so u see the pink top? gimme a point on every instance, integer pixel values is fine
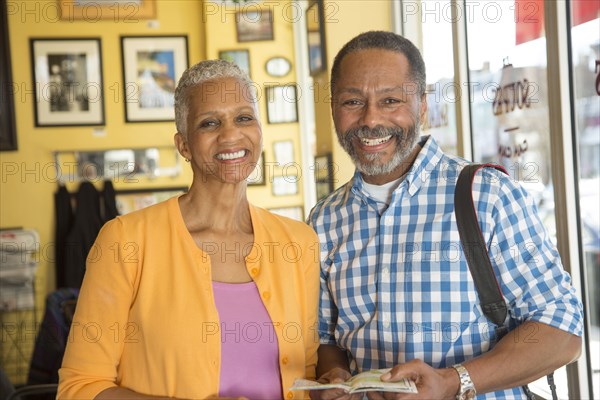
(249, 349)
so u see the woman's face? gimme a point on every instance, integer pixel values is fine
(224, 138)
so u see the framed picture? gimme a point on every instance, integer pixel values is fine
(284, 152)
(257, 177)
(254, 25)
(282, 104)
(136, 199)
(152, 66)
(67, 76)
(323, 175)
(278, 66)
(239, 57)
(8, 131)
(285, 185)
(116, 10)
(296, 213)
(315, 29)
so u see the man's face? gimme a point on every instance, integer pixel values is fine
(377, 111)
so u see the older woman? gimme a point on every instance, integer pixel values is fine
(204, 295)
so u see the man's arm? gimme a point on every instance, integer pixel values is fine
(332, 367)
(525, 354)
(330, 358)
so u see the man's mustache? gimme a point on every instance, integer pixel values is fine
(372, 133)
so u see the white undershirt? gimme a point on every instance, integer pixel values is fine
(382, 193)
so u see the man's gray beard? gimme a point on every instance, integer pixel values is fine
(406, 142)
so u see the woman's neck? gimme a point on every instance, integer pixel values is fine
(223, 208)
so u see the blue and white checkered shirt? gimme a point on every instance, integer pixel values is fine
(395, 284)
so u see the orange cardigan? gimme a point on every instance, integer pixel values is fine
(146, 318)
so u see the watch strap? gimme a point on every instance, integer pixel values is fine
(467, 388)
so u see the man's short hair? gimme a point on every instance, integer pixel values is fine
(385, 41)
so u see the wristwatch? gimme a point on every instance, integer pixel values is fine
(467, 389)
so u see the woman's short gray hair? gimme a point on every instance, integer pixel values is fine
(206, 71)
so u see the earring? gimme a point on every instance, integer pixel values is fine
(187, 159)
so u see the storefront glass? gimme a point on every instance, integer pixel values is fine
(436, 29)
(585, 53)
(509, 105)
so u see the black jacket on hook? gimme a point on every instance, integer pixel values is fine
(79, 241)
(63, 212)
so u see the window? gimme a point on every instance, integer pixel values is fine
(585, 64)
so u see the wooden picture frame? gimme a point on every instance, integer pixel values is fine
(315, 31)
(8, 130)
(117, 10)
(282, 104)
(240, 57)
(254, 25)
(67, 80)
(152, 66)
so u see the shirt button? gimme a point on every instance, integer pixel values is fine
(266, 295)
(386, 323)
(284, 360)
(389, 220)
(290, 395)
(254, 271)
(385, 272)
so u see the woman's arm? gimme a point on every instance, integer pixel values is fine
(126, 394)
(123, 394)
(94, 348)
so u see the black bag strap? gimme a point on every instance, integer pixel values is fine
(488, 290)
(490, 296)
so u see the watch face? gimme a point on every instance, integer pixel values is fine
(278, 66)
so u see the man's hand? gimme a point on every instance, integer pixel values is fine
(432, 384)
(336, 375)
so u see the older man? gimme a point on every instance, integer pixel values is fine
(396, 291)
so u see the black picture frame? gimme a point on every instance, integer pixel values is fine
(315, 33)
(8, 129)
(67, 81)
(282, 104)
(149, 93)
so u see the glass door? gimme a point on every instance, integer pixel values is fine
(507, 62)
(585, 67)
